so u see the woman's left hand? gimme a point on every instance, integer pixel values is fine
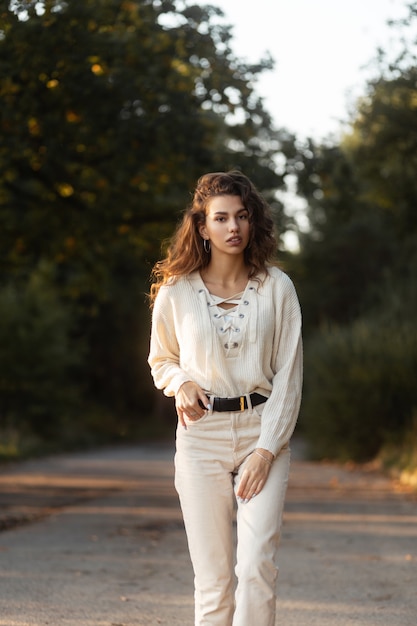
(255, 474)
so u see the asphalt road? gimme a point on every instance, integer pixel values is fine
(97, 539)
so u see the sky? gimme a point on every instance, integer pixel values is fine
(320, 48)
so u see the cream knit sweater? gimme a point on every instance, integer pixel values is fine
(185, 345)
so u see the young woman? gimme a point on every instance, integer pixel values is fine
(226, 342)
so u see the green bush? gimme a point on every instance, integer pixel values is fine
(37, 361)
(360, 389)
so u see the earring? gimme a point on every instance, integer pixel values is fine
(206, 245)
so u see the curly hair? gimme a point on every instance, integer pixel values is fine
(186, 252)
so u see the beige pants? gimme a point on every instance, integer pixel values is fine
(209, 460)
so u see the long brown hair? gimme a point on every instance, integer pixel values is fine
(186, 251)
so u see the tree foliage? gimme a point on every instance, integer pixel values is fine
(361, 392)
(347, 247)
(108, 117)
(111, 110)
(358, 265)
(362, 194)
(36, 360)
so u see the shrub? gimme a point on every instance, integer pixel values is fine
(37, 395)
(360, 390)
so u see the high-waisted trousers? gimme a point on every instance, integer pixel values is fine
(232, 587)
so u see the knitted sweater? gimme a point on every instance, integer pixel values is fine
(266, 356)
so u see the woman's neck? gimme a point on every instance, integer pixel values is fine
(230, 275)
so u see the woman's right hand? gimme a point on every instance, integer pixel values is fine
(186, 402)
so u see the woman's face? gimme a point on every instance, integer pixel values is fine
(227, 225)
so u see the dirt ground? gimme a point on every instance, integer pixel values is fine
(97, 538)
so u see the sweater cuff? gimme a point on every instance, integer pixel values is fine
(272, 445)
(176, 382)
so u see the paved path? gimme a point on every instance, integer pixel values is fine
(97, 539)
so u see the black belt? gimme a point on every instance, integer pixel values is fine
(237, 404)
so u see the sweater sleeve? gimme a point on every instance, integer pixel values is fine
(164, 353)
(280, 412)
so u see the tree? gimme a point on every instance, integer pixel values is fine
(361, 194)
(108, 117)
(357, 269)
(111, 109)
(346, 249)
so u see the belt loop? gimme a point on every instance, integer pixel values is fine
(249, 401)
(211, 402)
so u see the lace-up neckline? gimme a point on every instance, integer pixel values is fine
(219, 301)
(227, 320)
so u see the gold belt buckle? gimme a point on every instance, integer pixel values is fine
(242, 403)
